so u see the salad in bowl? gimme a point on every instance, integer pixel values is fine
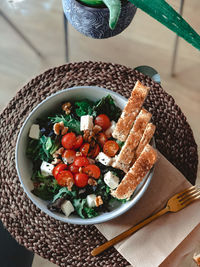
(68, 156)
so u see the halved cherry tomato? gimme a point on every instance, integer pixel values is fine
(94, 151)
(68, 156)
(84, 149)
(81, 179)
(79, 141)
(58, 168)
(102, 138)
(63, 176)
(81, 161)
(68, 140)
(73, 168)
(103, 121)
(110, 148)
(92, 170)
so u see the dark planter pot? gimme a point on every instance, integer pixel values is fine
(94, 22)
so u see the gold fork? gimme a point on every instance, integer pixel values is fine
(174, 204)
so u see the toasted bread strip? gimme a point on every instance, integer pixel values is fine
(147, 135)
(137, 172)
(127, 152)
(130, 111)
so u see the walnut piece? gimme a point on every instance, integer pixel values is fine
(98, 201)
(58, 152)
(56, 161)
(69, 183)
(96, 129)
(67, 107)
(92, 182)
(60, 128)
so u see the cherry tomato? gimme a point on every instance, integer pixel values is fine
(103, 121)
(73, 168)
(68, 140)
(102, 138)
(94, 151)
(84, 149)
(68, 156)
(63, 176)
(58, 168)
(110, 148)
(92, 170)
(81, 161)
(79, 141)
(81, 179)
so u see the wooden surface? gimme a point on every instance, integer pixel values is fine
(144, 42)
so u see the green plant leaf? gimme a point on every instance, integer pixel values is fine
(107, 106)
(85, 107)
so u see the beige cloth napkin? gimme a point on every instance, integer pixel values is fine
(152, 244)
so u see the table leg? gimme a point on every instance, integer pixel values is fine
(176, 44)
(66, 38)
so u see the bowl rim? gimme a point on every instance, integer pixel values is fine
(81, 221)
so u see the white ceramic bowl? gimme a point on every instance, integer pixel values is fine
(24, 165)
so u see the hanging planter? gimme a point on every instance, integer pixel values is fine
(97, 21)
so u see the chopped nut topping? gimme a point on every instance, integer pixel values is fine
(86, 135)
(59, 127)
(96, 129)
(58, 152)
(69, 183)
(98, 201)
(64, 130)
(56, 161)
(67, 107)
(92, 182)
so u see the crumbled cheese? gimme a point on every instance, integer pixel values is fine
(111, 180)
(46, 168)
(67, 208)
(86, 123)
(34, 132)
(104, 159)
(91, 200)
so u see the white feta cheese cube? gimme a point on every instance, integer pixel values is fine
(46, 168)
(91, 200)
(110, 130)
(34, 131)
(104, 159)
(111, 180)
(86, 123)
(67, 208)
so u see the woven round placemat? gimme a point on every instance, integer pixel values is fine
(61, 243)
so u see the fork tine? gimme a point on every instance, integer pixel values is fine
(190, 201)
(188, 194)
(197, 194)
(186, 191)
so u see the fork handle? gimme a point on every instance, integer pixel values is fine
(127, 233)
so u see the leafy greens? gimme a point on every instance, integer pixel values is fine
(107, 106)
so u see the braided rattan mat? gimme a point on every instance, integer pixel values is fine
(64, 244)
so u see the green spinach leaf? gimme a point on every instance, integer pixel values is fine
(107, 106)
(65, 192)
(82, 209)
(84, 108)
